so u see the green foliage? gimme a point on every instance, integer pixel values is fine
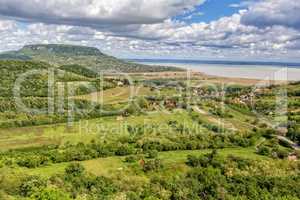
(205, 175)
(264, 150)
(95, 187)
(80, 70)
(142, 103)
(209, 183)
(282, 153)
(268, 133)
(131, 159)
(152, 154)
(51, 194)
(11, 70)
(152, 165)
(74, 169)
(31, 185)
(124, 150)
(222, 113)
(131, 110)
(210, 159)
(33, 161)
(294, 132)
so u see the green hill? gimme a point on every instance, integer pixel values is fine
(35, 84)
(88, 57)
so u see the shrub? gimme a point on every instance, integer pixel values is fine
(268, 133)
(132, 196)
(101, 187)
(285, 143)
(131, 159)
(242, 163)
(152, 154)
(204, 161)
(282, 153)
(31, 185)
(152, 165)
(51, 194)
(74, 170)
(32, 161)
(124, 150)
(265, 151)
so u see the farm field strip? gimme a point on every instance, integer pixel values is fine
(110, 165)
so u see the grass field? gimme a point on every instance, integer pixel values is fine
(111, 165)
(116, 95)
(114, 166)
(82, 131)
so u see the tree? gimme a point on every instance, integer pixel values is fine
(208, 183)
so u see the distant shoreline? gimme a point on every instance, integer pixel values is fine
(218, 62)
(234, 69)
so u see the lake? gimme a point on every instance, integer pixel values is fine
(251, 70)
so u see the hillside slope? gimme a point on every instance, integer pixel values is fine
(88, 57)
(35, 75)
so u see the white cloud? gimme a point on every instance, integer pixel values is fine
(7, 25)
(95, 13)
(274, 12)
(228, 37)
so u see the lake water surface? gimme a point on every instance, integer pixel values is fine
(253, 71)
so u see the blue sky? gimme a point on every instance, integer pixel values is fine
(211, 10)
(209, 29)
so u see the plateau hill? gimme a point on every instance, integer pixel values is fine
(91, 58)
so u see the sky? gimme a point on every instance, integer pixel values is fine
(263, 30)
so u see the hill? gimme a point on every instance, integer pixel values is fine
(88, 57)
(35, 84)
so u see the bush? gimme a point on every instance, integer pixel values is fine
(152, 154)
(132, 196)
(131, 159)
(142, 103)
(74, 170)
(268, 133)
(31, 185)
(204, 161)
(32, 161)
(195, 161)
(101, 187)
(152, 165)
(51, 194)
(124, 150)
(285, 143)
(242, 163)
(282, 153)
(265, 151)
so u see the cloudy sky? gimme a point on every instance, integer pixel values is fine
(188, 29)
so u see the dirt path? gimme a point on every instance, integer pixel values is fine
(293, 144)
(210, 118)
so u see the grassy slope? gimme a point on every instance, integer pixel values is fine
(84, 130)
(116, 95)
(36, 83)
